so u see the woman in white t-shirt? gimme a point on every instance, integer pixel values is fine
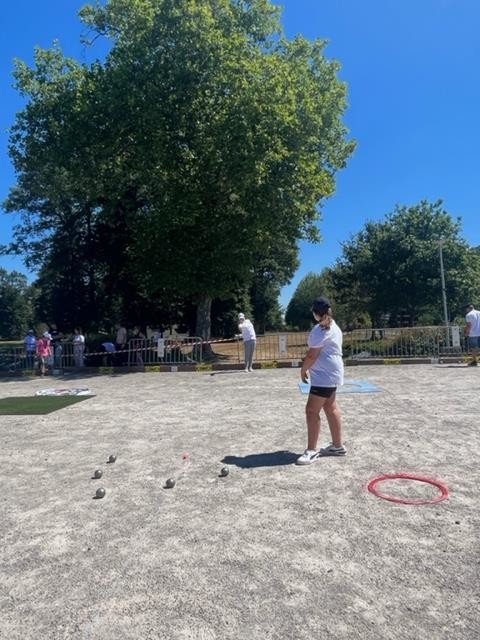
(323, 364)
(78, 347)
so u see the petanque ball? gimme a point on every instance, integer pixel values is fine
(170, 483)
(112, 458)
(224, 471)
(98, 473)
(100, 493)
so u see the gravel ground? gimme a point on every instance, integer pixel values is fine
(273, 550)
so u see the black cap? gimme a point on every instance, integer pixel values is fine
(469, 304)
(321, 305)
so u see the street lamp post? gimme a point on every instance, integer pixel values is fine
(444, 292)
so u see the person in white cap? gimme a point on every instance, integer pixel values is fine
(249, 339)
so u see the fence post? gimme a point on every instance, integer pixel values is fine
(455, 335)
(282, 345)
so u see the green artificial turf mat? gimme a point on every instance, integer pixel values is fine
(36, 405)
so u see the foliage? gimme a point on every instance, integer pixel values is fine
(299, 309)
(17, 298)
(388, 343)
(391, 268)
(205, 140)
(299, 314)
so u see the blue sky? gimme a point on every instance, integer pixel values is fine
(412, 68)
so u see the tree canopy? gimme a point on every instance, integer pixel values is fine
(17, 300)
(391, 269)
(185, 166)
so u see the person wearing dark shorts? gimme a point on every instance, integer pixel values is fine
(323, 365)
(472, 332)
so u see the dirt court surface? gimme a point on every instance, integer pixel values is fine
(272, 551)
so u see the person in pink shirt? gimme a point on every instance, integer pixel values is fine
(44, 351)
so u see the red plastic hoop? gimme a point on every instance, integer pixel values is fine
(372, 487)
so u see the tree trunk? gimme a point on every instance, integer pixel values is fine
(203, 326)
(91, 288)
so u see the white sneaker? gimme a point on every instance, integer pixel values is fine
(332, 451)
(307, 457)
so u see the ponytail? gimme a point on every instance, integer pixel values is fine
(321, 308)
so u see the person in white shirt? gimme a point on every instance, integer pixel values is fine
(472, 331)
(249, 340)
(323, 365)
(30, 345)
(121, 337)
(78, 347)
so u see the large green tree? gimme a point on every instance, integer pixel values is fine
(58, 153)
(17, 299)
(391, 268)
(204, 140)
(313, 285)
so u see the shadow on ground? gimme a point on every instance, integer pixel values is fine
(226, 371)
(272, 459)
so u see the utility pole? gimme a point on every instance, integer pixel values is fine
(444, 292)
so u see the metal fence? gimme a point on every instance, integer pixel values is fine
(385, 343)
(406, 342)
(15, 359)
(361, 344)
(137, 353)
(180, 350)
(415, 342)
(143, 352)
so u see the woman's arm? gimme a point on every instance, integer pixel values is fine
(312, 355)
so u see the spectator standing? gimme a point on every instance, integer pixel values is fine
(157, 334)
(44, 352)
(472, 332)
(56, 344)
(159, 342)
(120, 337)
(139, 344)
(137, 333)
(30, 347)
(249, 340)
(78, 347)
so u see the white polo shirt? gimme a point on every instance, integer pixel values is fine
(327, 370)
(473, 317)
(248, 332)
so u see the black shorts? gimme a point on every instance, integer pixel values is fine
(323, 392)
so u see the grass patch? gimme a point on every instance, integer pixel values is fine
(36, 405)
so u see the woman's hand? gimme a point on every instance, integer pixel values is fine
(304, 374)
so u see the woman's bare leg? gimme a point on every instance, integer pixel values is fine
(334, 419)
(312, 412)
